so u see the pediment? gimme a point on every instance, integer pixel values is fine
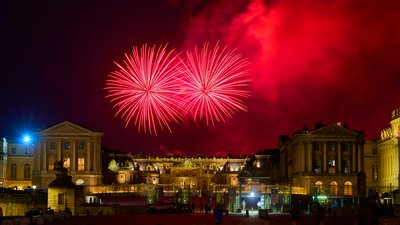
(66, 127)
(334, 130)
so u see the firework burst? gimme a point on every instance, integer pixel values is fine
(145, 88)
(216, 81)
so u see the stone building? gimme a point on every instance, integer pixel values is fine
(227, 180)
(201, 176)
(371, 166)
(16, 160)
(388, 150)
(327, 162)
(81, 149)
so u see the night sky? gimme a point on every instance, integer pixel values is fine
(311, 61)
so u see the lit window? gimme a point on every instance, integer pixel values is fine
(27, 171)
(13, 171)
(67, 163)
(348, 188)
(51, 162)
(318, 187)
(81, 164)
(333, 188)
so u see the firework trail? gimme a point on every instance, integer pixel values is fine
(216, 80)
(145, 88)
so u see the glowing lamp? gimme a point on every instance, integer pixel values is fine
(27, 139)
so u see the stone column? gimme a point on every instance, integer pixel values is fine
(40, 153)
(339, 157)
(309, 156)
(353, 159)
(59, 151)
(324, 158)
(305, 169)
(73, 158)
(303, 157)
(36, 157)
(88, 155)
(95, 156)
(360, 151)
(44, 163)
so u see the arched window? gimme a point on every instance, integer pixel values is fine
(318, 187)
(27, 171)
(348, 188)
(13, 174)
(333, 188)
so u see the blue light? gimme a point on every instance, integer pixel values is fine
(27, 139)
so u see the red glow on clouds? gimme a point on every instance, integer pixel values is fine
(313, 61)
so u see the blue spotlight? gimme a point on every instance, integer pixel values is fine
(27, 139)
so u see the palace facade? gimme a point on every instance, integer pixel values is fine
(326, 162)
(388, 151)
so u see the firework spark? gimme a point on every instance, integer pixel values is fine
(216, 82)
(144, 89)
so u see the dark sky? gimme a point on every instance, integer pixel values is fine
(312, 61)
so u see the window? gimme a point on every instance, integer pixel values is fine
(60, 199)
(13, 150)
(67, 145)
(333, 188)
(52, 145)
(81, 164)
(26, 150)
(51, 162)
(318, 187)
(81, 145)
(27, 171)
(13, 171)
(374, 172)
(331, 166)
(67, 163)
(374, 151)
(348, 188)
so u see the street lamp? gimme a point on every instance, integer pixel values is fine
(27, 139)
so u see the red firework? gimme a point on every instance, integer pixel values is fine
(216, 81)
(145, 87)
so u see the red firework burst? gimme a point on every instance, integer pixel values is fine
(216, 81)
(145, 87)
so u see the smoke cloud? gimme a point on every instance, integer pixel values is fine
(312, 61)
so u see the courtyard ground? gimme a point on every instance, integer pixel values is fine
(196, 219)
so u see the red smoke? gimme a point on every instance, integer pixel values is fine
(312, 61)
